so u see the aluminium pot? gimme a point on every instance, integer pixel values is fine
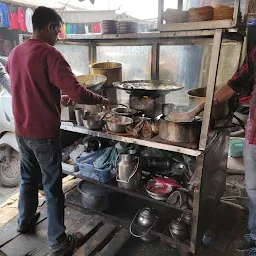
(94, 197)
(112, 70)
(177, 132)
(198, 95)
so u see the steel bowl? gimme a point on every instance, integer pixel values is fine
(119, 127)
(93, 122)
(123, 111)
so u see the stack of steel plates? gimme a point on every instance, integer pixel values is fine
(126, 27)
(109, 27)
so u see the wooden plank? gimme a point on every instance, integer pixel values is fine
(96, 240)
(136, 36)
(12, 233)
(36, 244)
(86, 227)
(210, 88)
(115, 244)
(212, 24)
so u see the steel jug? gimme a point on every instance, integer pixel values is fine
(146, 218)
(128, 171)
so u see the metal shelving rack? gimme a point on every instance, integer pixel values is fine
(210, 177)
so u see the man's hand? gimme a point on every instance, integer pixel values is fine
(66, 101)
(105, 103)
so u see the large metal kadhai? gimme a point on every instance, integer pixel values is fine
(149, 88)
(93, 82)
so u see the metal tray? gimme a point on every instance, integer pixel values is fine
(149, 88)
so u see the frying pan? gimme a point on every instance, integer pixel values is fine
(148, 88)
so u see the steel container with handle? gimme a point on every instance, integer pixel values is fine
(128, 171)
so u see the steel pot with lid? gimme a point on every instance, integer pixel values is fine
(146, 218)
(94, 197)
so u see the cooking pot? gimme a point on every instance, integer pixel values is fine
(198, 95)
(112, 70)
(179, 230)
(94, 197)
(146, 219)
(187, 132)
(124, 111)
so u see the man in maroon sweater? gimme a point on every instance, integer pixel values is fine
(38, 74)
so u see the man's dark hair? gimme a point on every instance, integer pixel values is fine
(43, 16)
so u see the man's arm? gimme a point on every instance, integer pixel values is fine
(61, 75)
(242, 80)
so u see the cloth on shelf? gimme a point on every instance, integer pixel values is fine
(180, 200)
(29, 14)
(22, 19)
(107, 161)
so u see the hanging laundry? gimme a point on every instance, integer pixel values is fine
(80, 29)
(29, 25)
(96, 28)
(86, 28)
(4, 15)
(74, 29)
(13, 15)
(62, 33)
(69, 29)
(22, 19)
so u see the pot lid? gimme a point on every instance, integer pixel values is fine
(91, 189)
(195, 120)
(178, 224)
(148, 213)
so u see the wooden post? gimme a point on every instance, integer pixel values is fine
(160, 13)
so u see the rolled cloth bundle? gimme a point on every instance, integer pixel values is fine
(223, 12)
(201, 14)
(175, 16)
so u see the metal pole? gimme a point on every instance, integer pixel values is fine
(180, 5)
(210, 87)
(155, 62)
(236, 13)
(196, 202)
(160, 13)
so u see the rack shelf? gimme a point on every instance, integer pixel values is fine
(136, 193)
(144, 35)
(142, 142)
